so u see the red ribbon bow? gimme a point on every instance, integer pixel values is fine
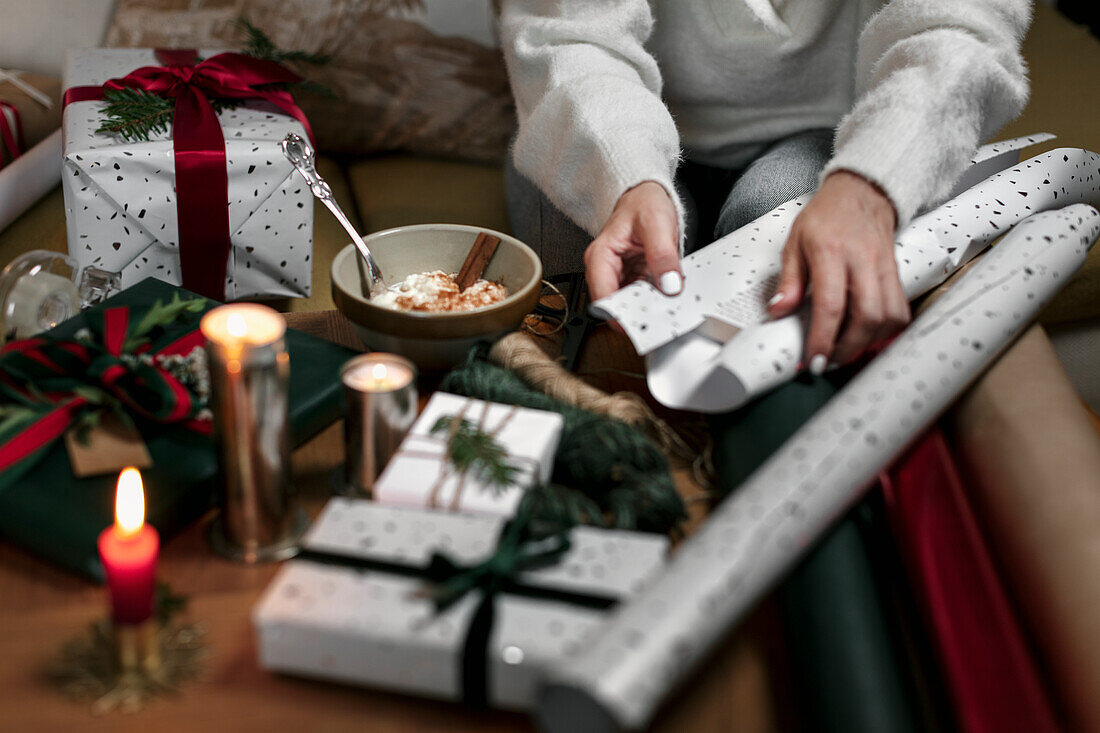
(202, 182)
(12, 139)
(56, 369)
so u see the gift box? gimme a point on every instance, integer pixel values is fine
(420, 475)
(30, 109)
(351, 609)
(123, 199)
(59, 517)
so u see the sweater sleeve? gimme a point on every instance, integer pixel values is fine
(588, 98)
(934, 78)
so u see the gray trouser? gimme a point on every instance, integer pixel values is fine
(718, 201)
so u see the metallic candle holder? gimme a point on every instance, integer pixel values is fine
(260, 519)
(380, 394)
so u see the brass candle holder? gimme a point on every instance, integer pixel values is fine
(124, 666)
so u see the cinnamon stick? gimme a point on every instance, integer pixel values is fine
(484, 247)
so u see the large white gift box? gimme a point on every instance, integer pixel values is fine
(359, 615)
(419, 475)
(120, 198)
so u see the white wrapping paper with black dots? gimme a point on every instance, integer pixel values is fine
(120, 202)
(419, 474)
(370, 628)
(648, 645)
(708, 369)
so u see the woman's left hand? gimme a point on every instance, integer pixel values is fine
(843, 245)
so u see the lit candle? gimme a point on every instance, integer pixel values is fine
(378, 373)
(380, 392)
(128, 550)
(260, 516)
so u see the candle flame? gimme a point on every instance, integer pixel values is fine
(129, 503)
(379, 372)
(236, 325)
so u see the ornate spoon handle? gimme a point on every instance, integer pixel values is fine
(302, 157)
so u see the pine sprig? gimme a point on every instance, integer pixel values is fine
(471, 449)
(259, 45)
(136, 115)
(160, 316)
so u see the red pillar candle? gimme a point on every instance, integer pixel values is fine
(128, 550)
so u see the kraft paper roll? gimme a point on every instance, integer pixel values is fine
(1034, 460)
(647, 646)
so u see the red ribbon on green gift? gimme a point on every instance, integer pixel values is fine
(48, 376)
(202, 182)
(11, 135)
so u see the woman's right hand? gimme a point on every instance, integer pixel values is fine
(641, 240)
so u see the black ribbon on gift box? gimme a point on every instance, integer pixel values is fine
(450, 581)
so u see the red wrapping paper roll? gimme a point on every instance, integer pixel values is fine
(990, 673)
(1033, 460)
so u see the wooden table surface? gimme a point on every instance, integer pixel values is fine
(739, 688)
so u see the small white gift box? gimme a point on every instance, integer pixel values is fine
(359, 615)
(120, 197)
(420, 475)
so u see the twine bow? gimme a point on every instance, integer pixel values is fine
(202, 183)
(50, 384)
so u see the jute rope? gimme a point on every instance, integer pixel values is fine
(519, 352)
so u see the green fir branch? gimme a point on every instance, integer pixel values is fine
(13, 418)
(259, 45)
(135, 115)
(471, 449)
(160, 316)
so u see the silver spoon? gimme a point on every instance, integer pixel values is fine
(301, 155)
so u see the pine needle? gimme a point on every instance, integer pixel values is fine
(472, 450)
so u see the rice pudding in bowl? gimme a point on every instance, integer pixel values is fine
(437, 291)
(435, 340)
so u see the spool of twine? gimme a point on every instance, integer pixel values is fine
(520, 353)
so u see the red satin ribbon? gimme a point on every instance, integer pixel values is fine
(13, 139)
(202, 182)
(53, 424)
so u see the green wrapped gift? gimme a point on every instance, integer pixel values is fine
(46, 509)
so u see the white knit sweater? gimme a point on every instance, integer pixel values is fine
(609, 91)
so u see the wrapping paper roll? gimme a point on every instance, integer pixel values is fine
(1033, 457)
(30, 177)
(699, 360)
(983, 651)
(852, 676)
(648, 645)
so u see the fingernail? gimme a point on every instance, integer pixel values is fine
(817, 364)
(775, 300)
(672, 283)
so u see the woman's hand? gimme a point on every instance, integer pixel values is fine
(640, 240)
(843, 245)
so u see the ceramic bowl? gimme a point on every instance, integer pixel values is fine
(435, 341)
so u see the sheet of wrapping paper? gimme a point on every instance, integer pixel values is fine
(120, 202)
(711, 351)
(746, 545)
(28, 178)
(372, 628)
(1033, 460)
(420, 470)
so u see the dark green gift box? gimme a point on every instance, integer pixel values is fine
(59, 517)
